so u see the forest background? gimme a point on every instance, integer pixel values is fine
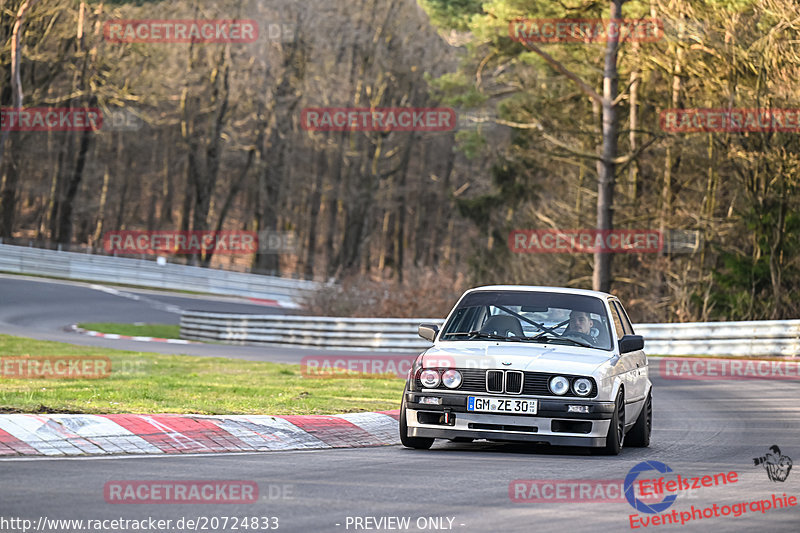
(404, 221)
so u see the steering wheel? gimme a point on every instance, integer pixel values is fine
(584, 336)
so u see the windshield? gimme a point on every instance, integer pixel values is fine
(525, 316)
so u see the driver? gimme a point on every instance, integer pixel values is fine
(580, 322)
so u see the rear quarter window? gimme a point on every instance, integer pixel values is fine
(623, 316)
(617, 322)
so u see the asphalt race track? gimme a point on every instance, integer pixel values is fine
(42, 309)
(700, 428)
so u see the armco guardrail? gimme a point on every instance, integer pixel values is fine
(391, 334)
(400, 334)
(100, 268)
(761, 337)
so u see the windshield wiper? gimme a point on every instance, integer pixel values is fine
(474, 335)
(484, 335)
(543, 337)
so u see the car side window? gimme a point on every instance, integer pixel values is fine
(626, 322)
(617, 321)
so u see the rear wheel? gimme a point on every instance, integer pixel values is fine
(418, 443)
(616, 429)
(639, 435)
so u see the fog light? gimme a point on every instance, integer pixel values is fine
(430, 400)
(577, 408)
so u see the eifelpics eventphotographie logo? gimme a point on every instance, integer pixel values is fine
(659, 513)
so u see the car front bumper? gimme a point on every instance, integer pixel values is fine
(552, 424)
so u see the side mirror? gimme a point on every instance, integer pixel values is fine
(428, 331)
(631, 343)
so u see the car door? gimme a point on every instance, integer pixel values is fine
(639, 375)
(627, 365)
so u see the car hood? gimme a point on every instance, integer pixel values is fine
(526, 357)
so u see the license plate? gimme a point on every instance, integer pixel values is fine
(501, 405)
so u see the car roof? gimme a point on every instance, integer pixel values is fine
(533, 288)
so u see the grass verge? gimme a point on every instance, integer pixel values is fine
(143, 382)
(161, 331)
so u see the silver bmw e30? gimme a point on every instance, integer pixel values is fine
(532, 364)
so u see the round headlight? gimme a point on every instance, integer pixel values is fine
(429, 378)
(582, 387)
(451, 379)
(559, 385)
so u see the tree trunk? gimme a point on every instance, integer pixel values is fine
(633, 169)
(9, 193)
(401, 209)
(101, 210)
(314, 206)
(65, 222)
(274, 153)
(8, 204)
(438, 237)
(601, 276)
(167, 191)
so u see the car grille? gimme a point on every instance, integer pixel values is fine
(532, 383)
(504, 427)
(514, 382)
(494, 381)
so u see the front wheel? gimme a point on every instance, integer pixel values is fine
(639, 435)
(616, 430)
(418, 443)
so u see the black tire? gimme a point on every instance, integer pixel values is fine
(418, 443)
(639, 435)
(616, 430)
